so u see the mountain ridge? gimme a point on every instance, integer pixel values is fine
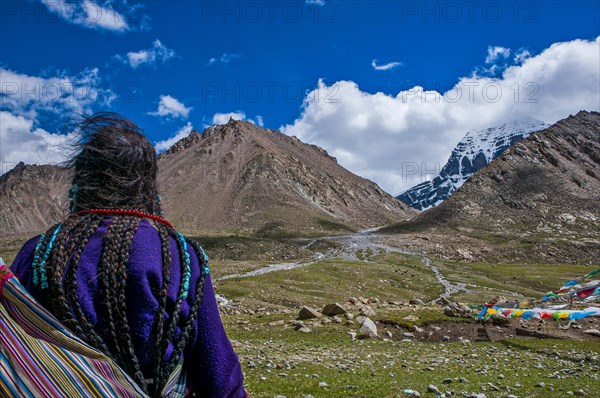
(232, 177)
(538, 200)
(476, 149)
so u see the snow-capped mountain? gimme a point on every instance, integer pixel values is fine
(473, 152)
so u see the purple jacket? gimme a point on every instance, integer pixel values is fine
(213, 368)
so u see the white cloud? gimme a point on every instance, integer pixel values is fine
(169, 106)
(181, 133)
(495, 53)
(388, 66)
(225, 58)
(158, 53)
(101, 15)
(223, 118)
(22, 142)
(316, 2)
(521, 56)
(61, 94)
(381, 136)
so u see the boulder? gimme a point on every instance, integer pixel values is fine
(368, 329)
(333, 309)
(308, 313)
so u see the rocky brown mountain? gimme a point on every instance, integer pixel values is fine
(239, 176)
(32, 198)
(542, 194)
(229, 178)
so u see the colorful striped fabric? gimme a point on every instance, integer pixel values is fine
(39, 357)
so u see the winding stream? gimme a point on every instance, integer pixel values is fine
(351, 244)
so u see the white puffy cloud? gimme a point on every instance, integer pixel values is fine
(99, 15)
(382, 137)
(20, 141)
(496, 52)
(158, 53)
(388, 66)
(316, 2)
(181, 133)
(223, 118)
(61, 94)
(521, 56)
(169, 106)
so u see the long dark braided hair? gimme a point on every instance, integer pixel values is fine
(115, 168)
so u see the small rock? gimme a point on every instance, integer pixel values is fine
(445, 338)
(352, 335)
(443, 301)
(349, 316)
(323, 384)
(493, 387)
(416, 301)
(308, 313)
(373, 300)
(449, 311)
(411, 318)
(433, 389)
(409, 335)
(593, 332)
(580, 393)
(463, 380)
(368, 329)
(276, 323)
(501, 376)
(337, 319)
(447, 381)
(333, 309)
(305, 329)
(388, 334)
(541, 384)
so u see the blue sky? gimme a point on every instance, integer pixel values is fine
(174, 65)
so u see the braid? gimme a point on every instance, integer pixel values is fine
(121, 309)
(107, 278)
(187, 329)
(162, 305)
(91, 336)
(54, 295)
(179, 301)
